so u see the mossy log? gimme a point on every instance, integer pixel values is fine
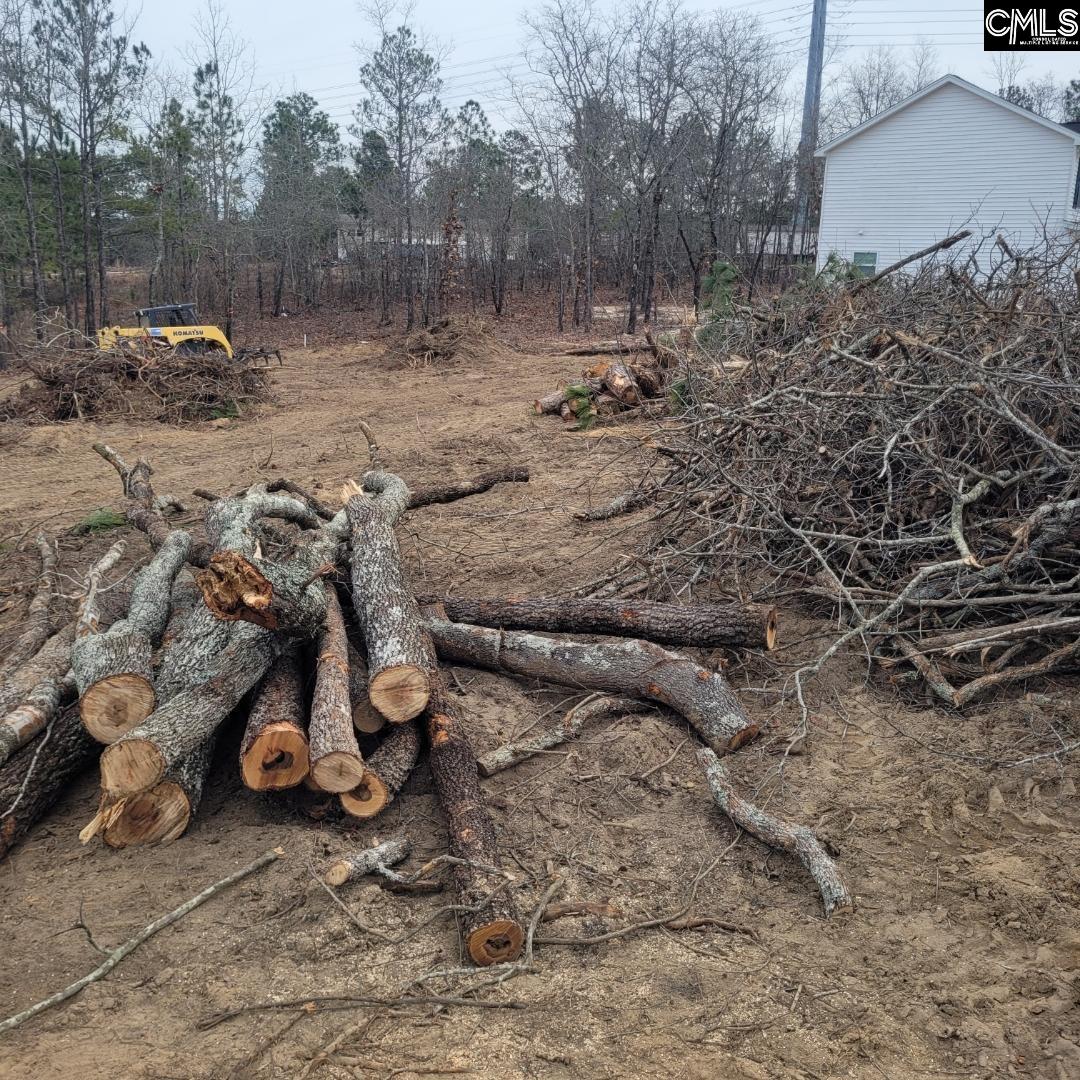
(144, 509)
(385, 772)
(40, 773)
(336, 762)
(398, 651)
(638, 668)
(489, 922)
(274, 749)
(113, 669)
(744, 626)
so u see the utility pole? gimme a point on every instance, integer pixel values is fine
(811, 108)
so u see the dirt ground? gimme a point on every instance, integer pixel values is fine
(962, 960)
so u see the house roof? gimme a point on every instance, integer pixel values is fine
(1071, 131)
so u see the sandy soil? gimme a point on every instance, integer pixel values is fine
(963, 959)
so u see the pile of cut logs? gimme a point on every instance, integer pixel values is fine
(296, 618)
(626, 376)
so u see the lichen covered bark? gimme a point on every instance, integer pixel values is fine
(798, 840)
(28, 719)
(113, 669)
(51, 765)
(692, 625)
(639, 668)
(358, 864)
(185, 721)
(398, 654)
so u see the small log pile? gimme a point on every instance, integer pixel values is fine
(901, 453)
(627, 377)
(296, 619)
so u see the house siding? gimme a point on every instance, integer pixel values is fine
(949, 161)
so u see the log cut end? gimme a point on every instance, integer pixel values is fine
(112, 706)
(400, 693)
(338, 771)
(741, 738)
(131, 766)
(367, 719)
(234, 589)
(770, 629)
(367, 799)
(495, 942)
(278, 758)
(337, 873)
(157, 816)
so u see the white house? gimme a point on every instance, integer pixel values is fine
(951, 156)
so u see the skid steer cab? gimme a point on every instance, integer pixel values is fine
(171, 326)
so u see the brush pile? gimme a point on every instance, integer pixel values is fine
(295, 619)
(628, 377)
(171, 386)
(452, 340)
(905, 453)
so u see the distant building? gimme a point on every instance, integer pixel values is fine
(951, 156)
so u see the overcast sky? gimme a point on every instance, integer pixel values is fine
(308, 44)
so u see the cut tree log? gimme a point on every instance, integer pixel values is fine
(113, 669)
(358, 864)
(385, 772)
(145, 510)
(238, 584)
(619, 381)
(798, 840)
(40, 773)
(744, 626)
(550, 404)
(638, 668)
(274, 749)
(38, 621)
(51, 661)
(162, 813)
(176, 729)
(444, 493)
(336, 762)
(27, 720)
(489, 922)
(398, 651)
(513, 753)
(365, 718)
(625, 503)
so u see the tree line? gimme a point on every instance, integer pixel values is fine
(647, 144)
